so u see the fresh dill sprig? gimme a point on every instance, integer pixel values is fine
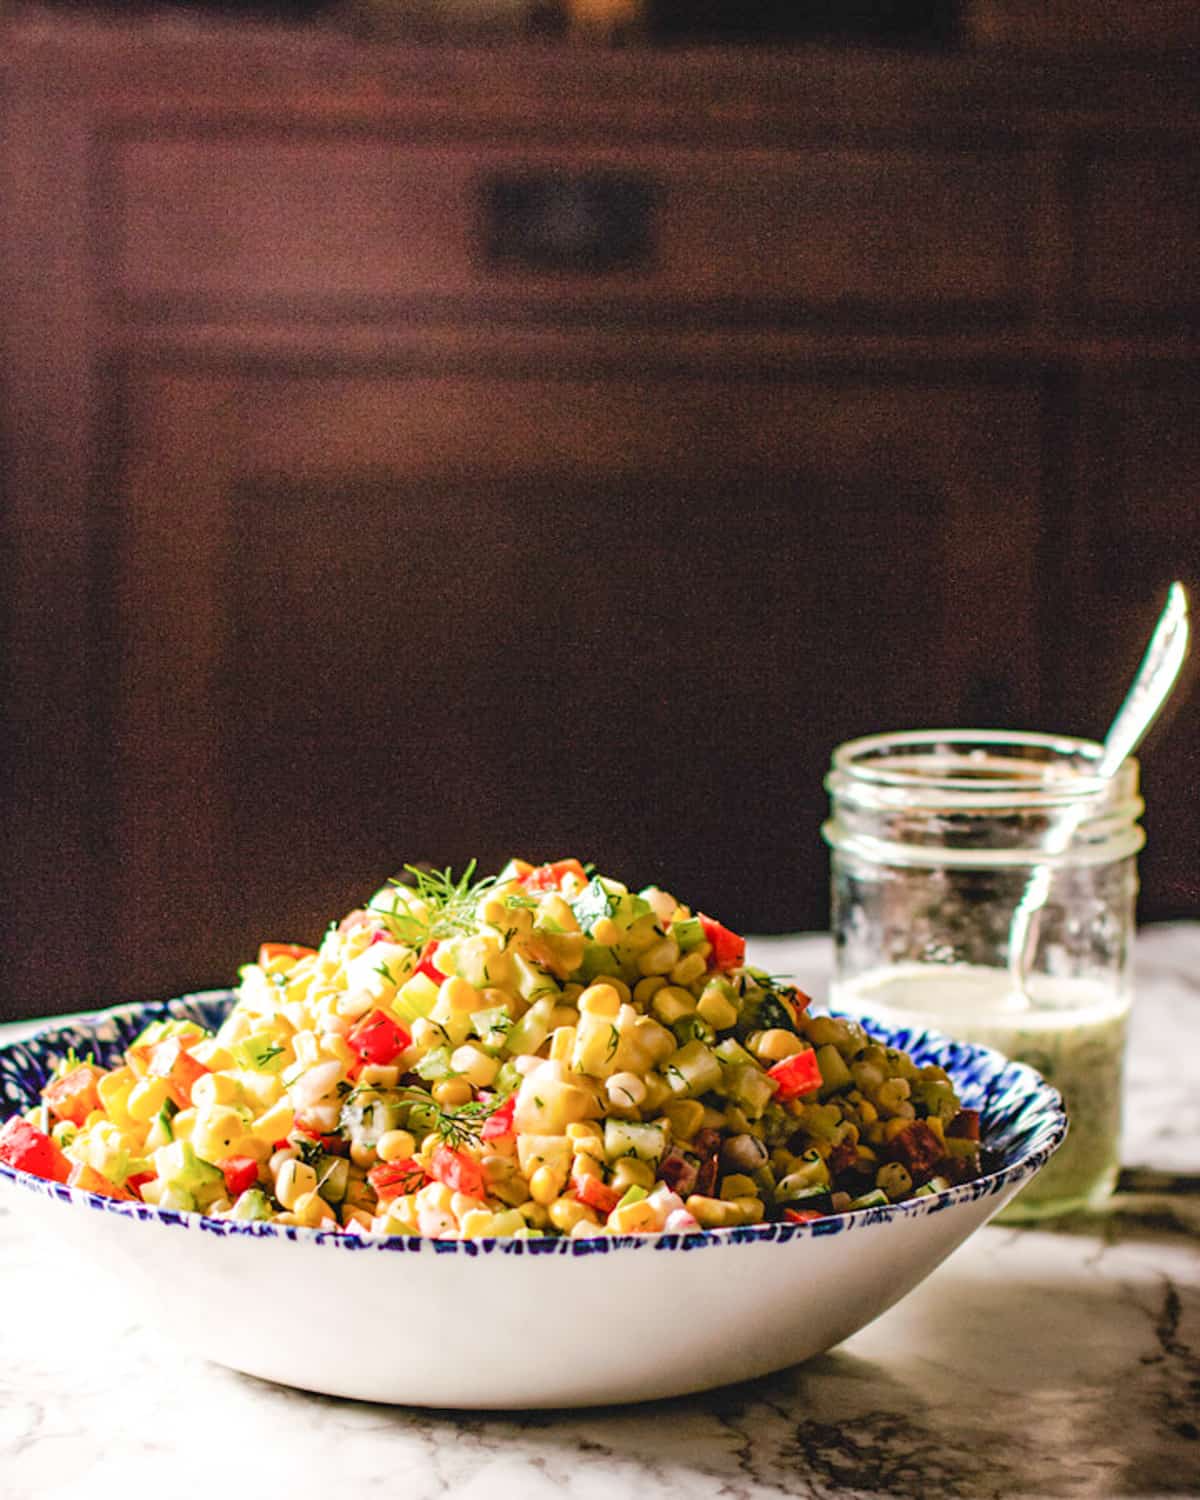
(450, 904)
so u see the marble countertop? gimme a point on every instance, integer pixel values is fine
(1061, 1361)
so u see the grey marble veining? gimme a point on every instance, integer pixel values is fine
(1062, 1361)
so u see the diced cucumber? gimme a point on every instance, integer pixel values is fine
(492, 1027)
(733, 1054)
(252, 1204)
(835, 1075)
(813, 1172)
(693, 1028)
(260, 1051)
(366, 1116)
(876, 1198)
(631, 1138)
(333, 1177)
(632, 1194)
(692, 1070)
(750, 1087)
(688, 932)
(528, 1034)
(435, 1064)
(598, 962)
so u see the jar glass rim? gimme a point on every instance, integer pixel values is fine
(1058, 770)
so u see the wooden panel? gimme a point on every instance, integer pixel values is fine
(1136, 529)
(245, 221)
(1138, 229)
(434, 613)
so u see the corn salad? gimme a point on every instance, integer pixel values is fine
(543, 1052)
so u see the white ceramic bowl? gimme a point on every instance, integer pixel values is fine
(525, 1323)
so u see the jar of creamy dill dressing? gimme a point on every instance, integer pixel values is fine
(935, 838)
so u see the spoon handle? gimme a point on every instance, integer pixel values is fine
(1154, 679)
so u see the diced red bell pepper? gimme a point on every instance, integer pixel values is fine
(550, 877)
(595, 1193)
(31, 1150)
(796, 1075)
(392, 1179)
(171, 1060)
(461, 1173)
(136, 1181)
(91, 1181)
(427, 965)
(728, 950)
(965, 1125)
(73, 1096)
(378, 1039)
(333, 1144)
(240, 1173)
(500, 1122)
(269, 951)
(801, 1215)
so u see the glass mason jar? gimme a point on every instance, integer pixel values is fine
(939, 839)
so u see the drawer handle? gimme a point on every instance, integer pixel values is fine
(567, 221)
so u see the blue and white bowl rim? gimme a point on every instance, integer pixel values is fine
(1023, 1124)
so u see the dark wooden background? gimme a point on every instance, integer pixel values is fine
(347, 524)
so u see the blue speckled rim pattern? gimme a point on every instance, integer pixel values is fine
(1022, 1122)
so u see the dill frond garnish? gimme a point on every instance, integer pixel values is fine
(449, 904)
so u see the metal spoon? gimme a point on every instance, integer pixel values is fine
(1151, 685)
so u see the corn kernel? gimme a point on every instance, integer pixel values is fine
(935, 1124)
(688, 970)
(634, 1218)
(276, 1123)
(660, 958)
(738, 1185)
(215, 1088)
(354, 1004)
(565, 1213)
(625, 1090)
(630, 1172)
(600, 999)
(776, 1044)
(475, 1065)
(363, 1155)
(749, 1210)
(710, 1213)
(458, 995)
(114, 1089)
(671, 1004)
(335, 1046)
(606, 932)
(685, 1116)
(147, 1098)
(311, 1210)
(717, 1009)
(295, 1179)
(562, 1043)
(476, 1223)
(534, 1214)
(396, 1145)
(645, 989)
(355, 1217)
(553, 908)
(452, 1091)
(544, 1186)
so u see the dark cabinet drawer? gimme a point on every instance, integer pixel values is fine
(234, 222)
